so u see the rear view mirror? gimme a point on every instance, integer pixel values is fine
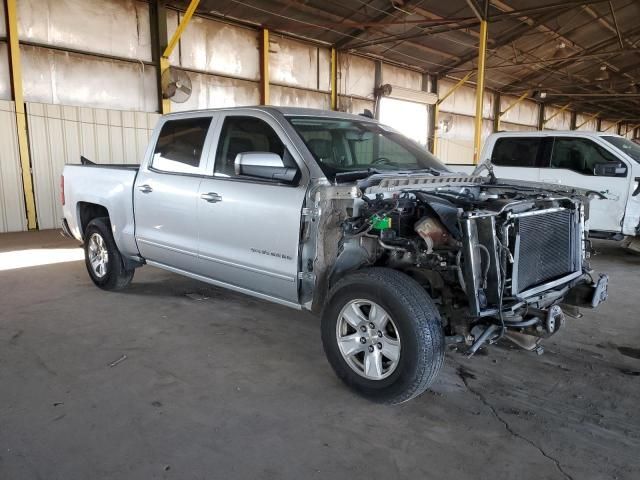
(610, 169)
(358, 135)
(266, 165)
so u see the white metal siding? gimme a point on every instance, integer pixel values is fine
(5, 81)
(60, 134)
(12, 213)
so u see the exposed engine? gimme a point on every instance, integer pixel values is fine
(497, 260)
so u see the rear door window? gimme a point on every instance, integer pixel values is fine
(518, 152)
(180, 144)
(579, 154)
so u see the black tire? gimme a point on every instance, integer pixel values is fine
(418, 325)
(115, 276)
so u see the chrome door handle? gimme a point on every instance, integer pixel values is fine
(145, 188)
(211, 197)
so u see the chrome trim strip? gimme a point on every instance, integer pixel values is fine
(160, 245)
(229, 286)
(246, 267)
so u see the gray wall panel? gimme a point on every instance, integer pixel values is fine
(119, 28)
(5, 79)
(12, 212)
(51, 76)
(210, 91)
(294, 97)
(216, 47)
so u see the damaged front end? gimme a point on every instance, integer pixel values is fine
(500, 260)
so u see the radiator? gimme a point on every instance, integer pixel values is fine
(545, 248)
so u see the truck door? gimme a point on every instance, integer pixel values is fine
(166, 193)
(573, 161)
(518, 157)
(249, 228)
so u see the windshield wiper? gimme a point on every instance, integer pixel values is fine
(430, 170)
(355, 175)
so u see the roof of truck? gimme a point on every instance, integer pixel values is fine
(556, 133)
(288, 111)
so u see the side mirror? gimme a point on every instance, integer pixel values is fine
(266, 165)
(610, 169)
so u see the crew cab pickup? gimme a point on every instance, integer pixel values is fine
(603, 162)
(340, 215)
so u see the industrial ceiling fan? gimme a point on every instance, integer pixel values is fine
(176, 85)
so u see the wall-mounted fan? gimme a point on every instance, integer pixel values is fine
(176, 85)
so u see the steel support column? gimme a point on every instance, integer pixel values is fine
(334, 79)
(574, 120)
(588, 119)
(547, 120)
(17, 95)
(497, 99)
(541, 114)
(613, 125)
(264, 67)
(431, 86)
(482, 57)
(514, 104)
(159, 41)
(377, 82)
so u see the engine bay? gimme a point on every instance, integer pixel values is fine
(496, 260)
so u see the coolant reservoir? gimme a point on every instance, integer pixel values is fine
(433, 232)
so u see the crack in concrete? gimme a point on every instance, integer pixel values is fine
(463, 374)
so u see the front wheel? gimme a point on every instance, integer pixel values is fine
(102, 257)
(382, 335)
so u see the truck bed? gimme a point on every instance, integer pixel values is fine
(109, 186)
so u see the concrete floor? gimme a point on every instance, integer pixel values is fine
(219, 385)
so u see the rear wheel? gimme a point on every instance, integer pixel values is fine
(382, 335)
(102, 257)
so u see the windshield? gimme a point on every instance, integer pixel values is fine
(342, 146)
(627, 146)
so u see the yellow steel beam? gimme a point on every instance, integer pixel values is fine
(589, 118)
(17, 95)
(164, 59)
(264, 67)
(517, 102)
(334, 79)
(611, 126)
(437, 108)
(456, 87)
(166, 103)
(183, 24)
(562, 109)
(482, 57)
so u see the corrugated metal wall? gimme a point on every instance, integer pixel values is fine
(88, 104)
(12, 213)
(60, 134)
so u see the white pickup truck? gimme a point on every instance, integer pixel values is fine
(599, 161)
(340, 215)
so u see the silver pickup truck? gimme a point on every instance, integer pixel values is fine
(345, 217)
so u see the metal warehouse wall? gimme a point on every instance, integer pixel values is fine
(60, 134)
(12, 213)
(90, 88)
